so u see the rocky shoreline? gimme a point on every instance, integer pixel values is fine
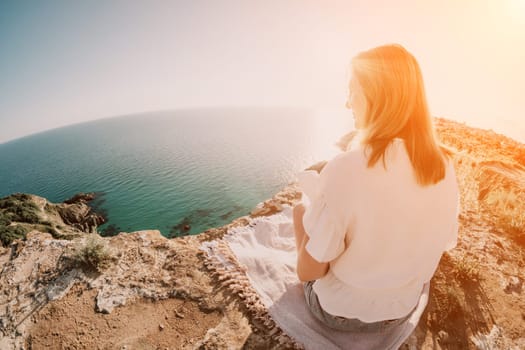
(22, 213)
(157, 293)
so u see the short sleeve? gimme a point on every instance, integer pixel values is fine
(323, 227)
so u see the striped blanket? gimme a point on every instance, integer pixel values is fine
(257, 261)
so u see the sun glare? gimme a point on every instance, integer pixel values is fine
(329, 126)
(516, 9)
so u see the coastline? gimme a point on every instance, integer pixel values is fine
(164, 284)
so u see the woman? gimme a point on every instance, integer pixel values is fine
(374, 223)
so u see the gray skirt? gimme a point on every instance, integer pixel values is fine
(343, 323)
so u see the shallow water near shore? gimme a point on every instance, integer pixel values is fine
(166, 170)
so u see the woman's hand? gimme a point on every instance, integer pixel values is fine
(308, 269)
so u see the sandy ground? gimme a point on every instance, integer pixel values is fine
(164, 324)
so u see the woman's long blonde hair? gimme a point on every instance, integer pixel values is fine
(397, 108)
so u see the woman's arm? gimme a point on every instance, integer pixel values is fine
(308, 268)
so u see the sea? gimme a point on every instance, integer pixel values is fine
(181, 171)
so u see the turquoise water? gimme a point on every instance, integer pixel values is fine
(201, 167)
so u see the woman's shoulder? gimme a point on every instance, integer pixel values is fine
(352, 158)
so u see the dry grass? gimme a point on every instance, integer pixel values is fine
(92, 254)
(508, 208)
(512, 221)
(466, 269)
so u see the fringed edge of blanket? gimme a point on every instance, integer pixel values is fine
(231, 274)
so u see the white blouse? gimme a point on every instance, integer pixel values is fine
(382, 232)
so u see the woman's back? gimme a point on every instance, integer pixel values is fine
(387, 232)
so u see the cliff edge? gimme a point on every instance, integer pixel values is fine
(62, 287)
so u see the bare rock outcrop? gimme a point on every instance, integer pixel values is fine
(80, 216)
(39, 271)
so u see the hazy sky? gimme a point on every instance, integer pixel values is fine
(63, 62)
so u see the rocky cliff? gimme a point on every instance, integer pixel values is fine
(62, 287)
